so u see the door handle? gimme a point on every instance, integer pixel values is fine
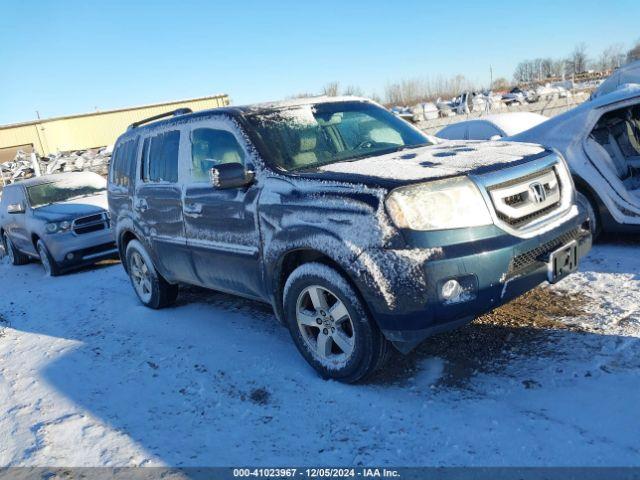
(193, 208)
(140, 205)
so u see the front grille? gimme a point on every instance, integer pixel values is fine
(523, 200)
(522, 221)
(533, 257)
(91, 223)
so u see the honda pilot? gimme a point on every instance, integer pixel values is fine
(344, 218)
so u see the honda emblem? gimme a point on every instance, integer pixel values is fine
(538, 192)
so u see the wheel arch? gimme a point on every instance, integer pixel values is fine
(292, 259)
(125, 236)
(588, 191)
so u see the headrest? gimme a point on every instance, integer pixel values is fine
(307, 140)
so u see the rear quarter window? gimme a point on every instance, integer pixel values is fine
(123, 163)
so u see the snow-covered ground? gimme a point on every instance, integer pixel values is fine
(90, 377)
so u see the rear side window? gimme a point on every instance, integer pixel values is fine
(160, 157)
(124, 162)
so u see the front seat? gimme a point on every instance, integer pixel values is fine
(627, 136)
(307, 141)
(598, 154)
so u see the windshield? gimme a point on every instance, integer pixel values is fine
(65, 189)
(307, 136)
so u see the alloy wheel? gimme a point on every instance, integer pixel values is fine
(44, 259)
(325, 325)
(141, 277)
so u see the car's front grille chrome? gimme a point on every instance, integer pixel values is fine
(523, 200)
(91, 223)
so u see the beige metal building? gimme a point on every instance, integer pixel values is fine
(91, 130)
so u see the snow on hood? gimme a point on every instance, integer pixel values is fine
(75, 207)
(437, 161)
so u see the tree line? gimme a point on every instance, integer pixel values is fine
(578, 61)
(418, 90)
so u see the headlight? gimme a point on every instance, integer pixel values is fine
(55, 227)
(439, 205)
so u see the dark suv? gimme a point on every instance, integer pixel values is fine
(343, 217)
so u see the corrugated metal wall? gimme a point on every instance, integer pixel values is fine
(99, 129)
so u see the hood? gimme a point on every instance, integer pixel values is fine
(77, 207)
(432, 162)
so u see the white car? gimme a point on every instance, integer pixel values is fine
(600, 140)
(629, 73)
(491, 127)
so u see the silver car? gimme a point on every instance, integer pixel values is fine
(61, 219)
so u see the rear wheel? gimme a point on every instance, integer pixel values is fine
(15, 256)
(587, 205)
(50, 266)
(152, 289)
(330, 325)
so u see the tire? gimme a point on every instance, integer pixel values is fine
(152, 289)
(340, 342)
(586, 204)
(15, 256)
(51, 268)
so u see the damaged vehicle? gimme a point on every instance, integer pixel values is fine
(600, 140)
(343, 217)
(61, 220)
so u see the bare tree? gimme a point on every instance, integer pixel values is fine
(500, 84)
(331, 89)
(353, 90)
(634, 53)
(578, 59)
(412, 91)
(611, 58)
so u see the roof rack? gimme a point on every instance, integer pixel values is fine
(173, 113)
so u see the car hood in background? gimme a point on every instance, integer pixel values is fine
(77, 207)
(436, 161)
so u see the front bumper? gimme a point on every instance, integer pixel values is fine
(71, 250)
(494, 265)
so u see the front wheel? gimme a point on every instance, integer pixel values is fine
(584, 202)
(50, 266)
(152, 289)
(330, 325)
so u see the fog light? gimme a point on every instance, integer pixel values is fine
(70, 256)
(451, 290)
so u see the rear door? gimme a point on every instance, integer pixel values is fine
(221, 225)
(157, 204)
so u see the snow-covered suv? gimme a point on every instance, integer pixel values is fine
(343, 217)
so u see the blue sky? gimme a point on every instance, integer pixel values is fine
(64, 57)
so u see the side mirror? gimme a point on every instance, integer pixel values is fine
(230, 175)
(15, 208)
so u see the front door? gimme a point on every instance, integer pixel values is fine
(158, 206)
(221, 225)
(16, 225)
